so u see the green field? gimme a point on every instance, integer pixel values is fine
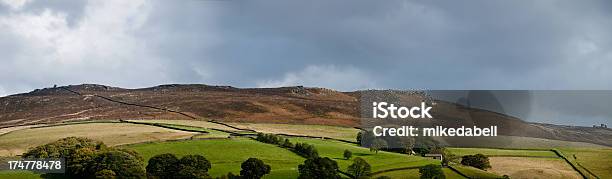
(597, 161)
(474, 172)
(502, 152)
(380, 161)
(414, 173)
(19, 175)
(226, 155)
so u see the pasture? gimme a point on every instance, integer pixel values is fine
(523, 167)
(335, 132)
(502, 152)
(381, 161)
(226, 155)
(597, 161)
(18, 141)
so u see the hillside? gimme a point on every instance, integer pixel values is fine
(295, 105)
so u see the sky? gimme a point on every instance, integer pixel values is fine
(339, 44)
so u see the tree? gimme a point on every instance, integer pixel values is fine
(163, 166)
(306, 150)
(287, 144)
(254, 168)
(106, 174)
(478, 161)
(359, 168)
(431, 171)
(78, 152)
(123, 164)
(193, 166)
(347, 154)
(318, 168)
(378, 144)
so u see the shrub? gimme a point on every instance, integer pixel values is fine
(254, 168)
(478, 161)
(431, 172)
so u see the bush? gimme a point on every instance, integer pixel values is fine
(254, 168)
(359, 168)
(431, 171)
(105, 174)
(163, 166)
(193, 166)
(478, 161)
(318, 168)
(348, 154)
(287, 144)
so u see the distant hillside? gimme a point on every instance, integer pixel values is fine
(296, 105)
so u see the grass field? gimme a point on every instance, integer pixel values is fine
(502, 152)
(414, 174)
(598, 161)
(226, 155)
(524, 167)
(380, 161)
(474, 172)
(310, 130)
(19, 175)
(17, 142)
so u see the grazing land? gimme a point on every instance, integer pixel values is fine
(414, 173)
(19, 174)
(335, 132)
(17, 142)
(596, 161)
(226, 155)
(379, 162)
(502, 152)
(523, 167)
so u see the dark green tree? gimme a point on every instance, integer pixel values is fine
(77, 151)
(359, 168)
(193, 166)
(124, 164)
(318, 168)
(377, 145)
(105, 174)
(431, 172)
(347, 154)
(254, 168)
(478, 161)
(163, 166)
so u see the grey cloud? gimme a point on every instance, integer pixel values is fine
(480, 44)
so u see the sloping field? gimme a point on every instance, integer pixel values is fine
(335, 132)
(17, 142)
(518, 142)
(414, 174)
(474, 172)
(502, 152)
(524, 167)
(596, 161)
(226, 155)
(379, 162)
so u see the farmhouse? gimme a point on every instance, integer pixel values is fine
(434, 156)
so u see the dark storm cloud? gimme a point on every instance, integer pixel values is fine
(339, 44)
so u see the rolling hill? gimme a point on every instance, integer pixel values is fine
(293, 105)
